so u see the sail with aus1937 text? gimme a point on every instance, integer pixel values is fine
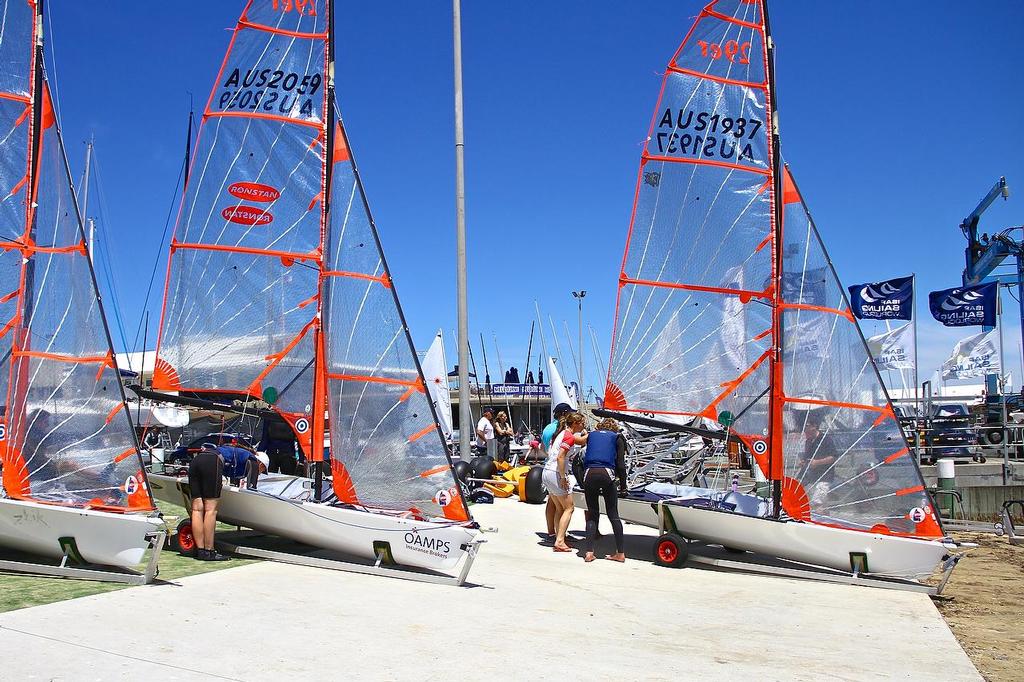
(728, 306)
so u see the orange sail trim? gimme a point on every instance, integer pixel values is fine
(383, 279)
(705, 162)
(711, 412)
(416, 384)
(742, 293)
(821, 309)
(265, 117)
(280, 31)
(718, 79)
(244, 249)
(275, 358)
(422, 432)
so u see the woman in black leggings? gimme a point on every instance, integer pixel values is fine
(604, 464)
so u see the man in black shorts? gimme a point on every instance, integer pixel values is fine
(204, 481)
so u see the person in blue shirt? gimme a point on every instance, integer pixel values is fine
(603, 465)
(561, 409)
(236, 457)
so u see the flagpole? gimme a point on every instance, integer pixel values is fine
(1002, 388)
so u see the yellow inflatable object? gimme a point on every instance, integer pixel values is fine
(516, 485)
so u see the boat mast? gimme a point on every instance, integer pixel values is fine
(85, 200)
(466, 425)
(775, 402)
(319, 407)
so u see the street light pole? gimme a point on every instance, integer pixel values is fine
(578, 295)
(466, 426)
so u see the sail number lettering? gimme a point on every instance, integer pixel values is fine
(270, 90)
(730, 51)
(723, 137)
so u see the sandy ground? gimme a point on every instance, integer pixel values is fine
(529, 614)
(984, 606)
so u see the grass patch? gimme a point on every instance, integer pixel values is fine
(21, 591)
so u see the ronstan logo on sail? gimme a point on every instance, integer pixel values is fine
(246, 215)
(253, 191)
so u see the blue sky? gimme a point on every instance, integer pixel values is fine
(896, 118)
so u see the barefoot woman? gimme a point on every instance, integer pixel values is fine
(556, 470)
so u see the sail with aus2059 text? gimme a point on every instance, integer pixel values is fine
(729, 308)
(277, 283)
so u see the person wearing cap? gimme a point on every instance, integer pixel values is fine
(485, 430)
(205, 480)
(561, 410)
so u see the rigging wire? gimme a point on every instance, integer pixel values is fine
(159, 253)
(107, 256)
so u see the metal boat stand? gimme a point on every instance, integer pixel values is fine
(1008, 527)
(962, 524)
(377, 568)
(110, 575)
(706, 555)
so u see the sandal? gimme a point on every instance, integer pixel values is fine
(562, 549)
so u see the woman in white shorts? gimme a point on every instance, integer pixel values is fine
(556, 473)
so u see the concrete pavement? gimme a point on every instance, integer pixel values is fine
(532, 614)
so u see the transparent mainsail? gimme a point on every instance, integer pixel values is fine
(694, 320)
(243, 282)
(66, 438)
(846, 460)
(386, 446)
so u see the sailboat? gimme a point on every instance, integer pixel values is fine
(73, 484)
(729, 310)
(435, 371)
(559, 392)
(278, 294)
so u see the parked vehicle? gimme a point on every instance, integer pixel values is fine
(990, 419)
(949, 432)
(183, 454)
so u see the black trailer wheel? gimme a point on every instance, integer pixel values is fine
(535, 491)
(184, 539)
(462, 470)
(482, 467)
(670, 550)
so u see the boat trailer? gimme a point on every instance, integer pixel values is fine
(377, 568)
(718, 557)
(110, 575)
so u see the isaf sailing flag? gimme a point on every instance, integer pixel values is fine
(894, 349)
(965, 306)
(892, 299)
(974, 356)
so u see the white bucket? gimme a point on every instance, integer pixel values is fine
(158, 460)
(947, 468)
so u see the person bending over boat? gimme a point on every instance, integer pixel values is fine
(238, 460)
(556, 474)
(205, 479)
(549, 432)
(603, 465)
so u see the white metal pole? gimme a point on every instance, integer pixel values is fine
(466, 426)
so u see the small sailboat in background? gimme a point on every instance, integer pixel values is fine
(435, 372)
(73, 479)
(729, 311)
(278, 291)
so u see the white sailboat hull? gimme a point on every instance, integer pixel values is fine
(804, 542)
(102, 538)
(432, 545)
